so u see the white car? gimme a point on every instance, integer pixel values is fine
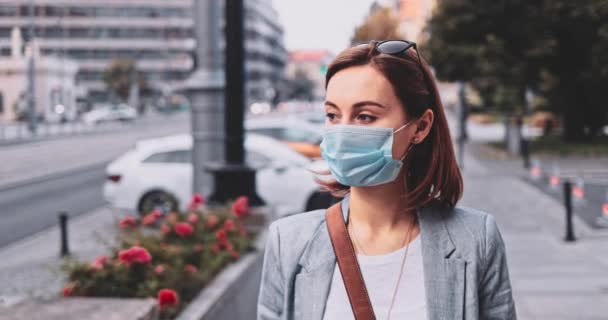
(118, 112)
(158, 173)
(301, 135)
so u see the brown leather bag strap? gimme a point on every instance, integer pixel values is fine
(349, 267)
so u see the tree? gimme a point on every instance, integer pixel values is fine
(119, 76)
(555, 47)
(487, 43)
(381, 24)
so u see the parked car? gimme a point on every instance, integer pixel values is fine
(300, 135)
(117, 112)
(158, 173)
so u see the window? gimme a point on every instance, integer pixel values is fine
(179, 156)
(257, 158)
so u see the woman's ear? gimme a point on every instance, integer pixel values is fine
(423, 126)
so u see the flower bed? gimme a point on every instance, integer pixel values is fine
(167, 256)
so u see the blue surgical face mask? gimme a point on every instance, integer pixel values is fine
(360, 155)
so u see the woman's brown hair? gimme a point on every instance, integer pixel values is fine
(433, 175)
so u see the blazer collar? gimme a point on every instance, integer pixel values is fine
(433, 232)
(318, 262)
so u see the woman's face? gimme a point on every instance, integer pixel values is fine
(363, 96)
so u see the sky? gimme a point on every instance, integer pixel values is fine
(320, 24)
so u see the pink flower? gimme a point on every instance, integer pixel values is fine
(190, 269)
(157, 214)
(127, 222)
(221, 236)
(159, 269)
(134, 254)
(240, 207)
(165, 229)
(167, 298)
(212, 221)
(183, 229)
(193, 218)
(197, 200)
(229, 225)
(151, 217)
(99, 262)
(68, 290)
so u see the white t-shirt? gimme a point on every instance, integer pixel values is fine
(380, 274)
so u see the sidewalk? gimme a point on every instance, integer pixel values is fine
(31, 267)
(551, 279)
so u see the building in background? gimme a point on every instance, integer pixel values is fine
(308, 65)
(265, 53)
(157, 34)
(54, 86)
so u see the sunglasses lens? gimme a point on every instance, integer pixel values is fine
(393, 47)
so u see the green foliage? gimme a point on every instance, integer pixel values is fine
(183, 252)
(557, 48)
(381, 24)
(120, 74)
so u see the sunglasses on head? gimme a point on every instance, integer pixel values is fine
(397, 48)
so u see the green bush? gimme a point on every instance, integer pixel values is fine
(167, 256)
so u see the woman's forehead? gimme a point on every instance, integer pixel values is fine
(360, 83)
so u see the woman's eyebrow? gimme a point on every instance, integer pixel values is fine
(358, 104)
(368, 103)
(331, 104)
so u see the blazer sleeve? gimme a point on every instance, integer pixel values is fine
(270, 298)
(496, 298)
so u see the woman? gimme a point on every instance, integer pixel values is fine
(399, 248)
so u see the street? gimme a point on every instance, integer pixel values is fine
(33, 207)
(40, 179)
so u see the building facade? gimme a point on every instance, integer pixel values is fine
(157, 34)
(313, 64)
(54, 84)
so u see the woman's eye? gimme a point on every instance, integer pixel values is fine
(366, 118)
(330, 116)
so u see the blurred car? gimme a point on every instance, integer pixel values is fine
(300, 135)
(117, 112)
(157, 173)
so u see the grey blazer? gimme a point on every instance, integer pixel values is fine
(465, 267)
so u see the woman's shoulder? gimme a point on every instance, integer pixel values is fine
(299, 226)
(472, 230)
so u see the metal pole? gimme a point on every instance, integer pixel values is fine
(235, 81)
(463, 114)
(205, 89)
(63, 226)
(568, 204)
(234, 178)
(31, 72)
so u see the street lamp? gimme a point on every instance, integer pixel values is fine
(234, 177)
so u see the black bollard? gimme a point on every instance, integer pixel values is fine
(63, 226)
(568, 203)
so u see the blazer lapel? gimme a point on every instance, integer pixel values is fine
(444, 273)
(318, 263)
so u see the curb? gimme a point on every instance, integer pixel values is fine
(50, 176)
